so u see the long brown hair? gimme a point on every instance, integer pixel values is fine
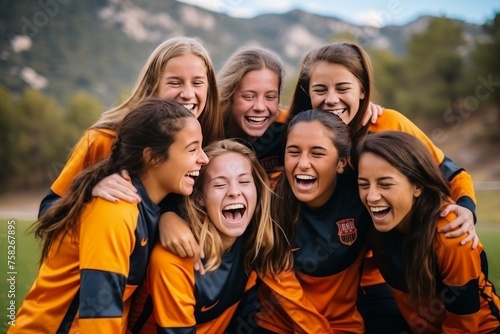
(149, 80)
(262, 249)
(356, 60)
(151, 124)
(285, 206)
(411, 158)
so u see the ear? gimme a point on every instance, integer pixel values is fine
(417, 191)
(362, 95)
(200, 201)
(146, 155)
(341, 165)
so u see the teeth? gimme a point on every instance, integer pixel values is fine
(378, 208)
(338, 112)
(234, 207)
(189, 107)
(256, 119)
(193, 173)
(305, 177)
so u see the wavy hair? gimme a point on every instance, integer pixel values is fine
(262, 251)
(411, 158)
(150, 78)
(152, 124)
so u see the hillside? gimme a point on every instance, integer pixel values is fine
(99, 46)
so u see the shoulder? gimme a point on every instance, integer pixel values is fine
(389, 120)
(164, 261)
(104, 213)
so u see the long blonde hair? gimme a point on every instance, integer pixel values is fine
(260, 246)
(149, 80)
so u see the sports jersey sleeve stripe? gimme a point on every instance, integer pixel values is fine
(177, 330)
(106, 243)
(47, 202)
(462, 300)
(101, 294)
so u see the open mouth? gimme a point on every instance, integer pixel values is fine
(254, 120)
(191, 107)
(305, 182)
(234, 212)
(192, 175)
(380, 212)
(338, 112)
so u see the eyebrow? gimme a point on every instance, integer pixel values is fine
(313, 148)
(192, 143)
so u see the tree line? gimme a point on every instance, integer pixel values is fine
(437, 79)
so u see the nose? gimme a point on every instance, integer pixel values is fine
(332, 97)
(234, 189)
(202, 158)
(304, 162)
(372, 195)
(187, 92)
(259, 104)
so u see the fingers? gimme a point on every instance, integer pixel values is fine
(124, 173)
(114, 188)
(475, 243)
(199, 267)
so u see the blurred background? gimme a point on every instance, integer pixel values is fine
(63, 62)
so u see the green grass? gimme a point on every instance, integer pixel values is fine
(27, 251)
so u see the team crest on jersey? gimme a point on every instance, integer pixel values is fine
(347, 231)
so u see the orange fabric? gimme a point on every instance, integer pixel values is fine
(105, 242)
(461, 185)
(285, 293)
(94, 146)
(458, 265)
(171, 284)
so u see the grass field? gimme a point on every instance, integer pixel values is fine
(26, 254)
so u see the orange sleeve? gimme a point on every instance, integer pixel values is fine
(460, 269)
(461, 183)
(289, 297)
(171, 283)
(94, 146)
(106, 241)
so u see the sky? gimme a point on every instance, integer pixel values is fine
(370, 12)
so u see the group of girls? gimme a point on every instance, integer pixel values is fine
(363, 232)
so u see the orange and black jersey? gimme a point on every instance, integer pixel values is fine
(460, 181)
(177, 299)
(329, 248)
(86, 282)
(465, 300)
(461, 184)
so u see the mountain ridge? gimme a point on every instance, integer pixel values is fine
(99, 46)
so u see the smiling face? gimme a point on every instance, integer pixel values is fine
(312, 163)
(185, 158)
(184, 80)
(229, 195)
(386, 193)
(335, 89)
(255, 102)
